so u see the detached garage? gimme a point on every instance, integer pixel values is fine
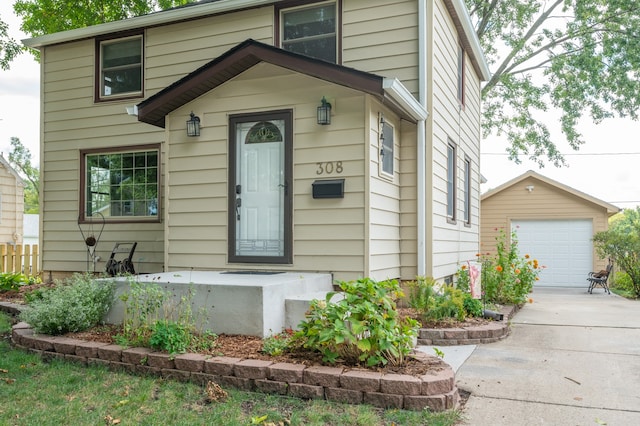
(554, 224)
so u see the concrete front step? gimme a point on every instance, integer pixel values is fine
(296, 306)
(234, 302)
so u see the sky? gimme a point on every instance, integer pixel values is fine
(607, 166)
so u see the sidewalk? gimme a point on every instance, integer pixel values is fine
(572, 358)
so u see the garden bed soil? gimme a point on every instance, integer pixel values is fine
(250, 347)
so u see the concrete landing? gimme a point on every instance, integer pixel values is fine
(242, 302)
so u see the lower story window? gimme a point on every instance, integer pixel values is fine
(121, 183)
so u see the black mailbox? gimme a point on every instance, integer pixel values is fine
(330, 188)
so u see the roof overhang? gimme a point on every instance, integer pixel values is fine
(249, 53)
(469, 38)
(184, 13)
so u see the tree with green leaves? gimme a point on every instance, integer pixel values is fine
(621, 242)
(20, 159)
(9, 48)
(581, 57)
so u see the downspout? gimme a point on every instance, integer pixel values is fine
(422, 142)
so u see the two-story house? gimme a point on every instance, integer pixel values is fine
(338, 136)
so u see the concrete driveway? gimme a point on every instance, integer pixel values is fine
(572, 358)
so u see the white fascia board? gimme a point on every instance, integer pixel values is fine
(152, 19)
(399, 94)
(465, 21)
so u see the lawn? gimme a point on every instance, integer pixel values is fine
(33, 392)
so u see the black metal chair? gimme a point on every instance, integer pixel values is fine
(125, 266)
(599, 279)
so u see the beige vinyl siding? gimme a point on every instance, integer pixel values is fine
(72, 121)
(407, 175)
(381, 37)
(384, 202)
(452, 243)
(328, 233)
(11, 207)
(544, 202)
(174, 51)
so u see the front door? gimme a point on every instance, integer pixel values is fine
(259, 187)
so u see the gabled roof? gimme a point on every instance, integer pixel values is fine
(4, 163)
(611, 209)
(456, 8)
(249, 53)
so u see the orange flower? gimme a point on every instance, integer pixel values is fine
(463, 267)
(499, 268)
(537, 279)
(530, 300)
(526, 256)
(478, 255)
(517, 271)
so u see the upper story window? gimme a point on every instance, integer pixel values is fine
(120, 67)
(461, 74)
(451, 181)
(466, 207)
(310, 30)
(386, 147)
(120, 183)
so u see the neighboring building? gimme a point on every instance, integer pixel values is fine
(554, 223)
(11, 204)
(31, 229)
(395, 174)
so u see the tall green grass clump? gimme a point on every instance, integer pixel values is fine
(75, 304)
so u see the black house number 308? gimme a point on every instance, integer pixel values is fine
(329, 168)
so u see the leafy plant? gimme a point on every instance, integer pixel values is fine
(473, 307)
(622, 244)
(422, 294)
(507, 277)
(170, 336)
(362, 327)
(277, 344)
(12, 281)
(76, 304)
(153, 318)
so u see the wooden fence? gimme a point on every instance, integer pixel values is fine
(19, 258)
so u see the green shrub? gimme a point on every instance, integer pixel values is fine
(622, 280)
(277, 344)
(422, 294)
(449, 304)
(362, 327)
(435, 305)
(507, 277)
(76, 304)
(473, 307)
(170, 336)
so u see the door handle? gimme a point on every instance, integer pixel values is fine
(285, 186)
(238, 204)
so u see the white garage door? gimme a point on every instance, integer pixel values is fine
(563, 246)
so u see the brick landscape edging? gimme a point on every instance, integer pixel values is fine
(435, 390)
(472, 335)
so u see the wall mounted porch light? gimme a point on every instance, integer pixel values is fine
(324, 112)
(193, 125)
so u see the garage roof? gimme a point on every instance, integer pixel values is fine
(611, 209)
